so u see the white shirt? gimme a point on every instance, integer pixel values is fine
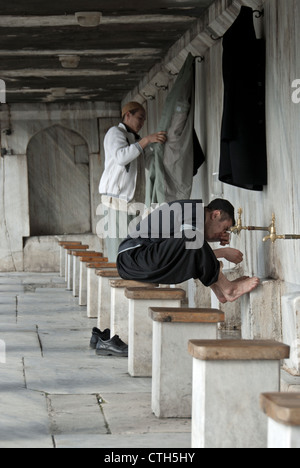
(120, 175)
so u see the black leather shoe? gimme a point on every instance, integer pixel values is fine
(98, 334)
(113, 347)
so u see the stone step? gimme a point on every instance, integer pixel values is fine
(228, 378)
(172, 365)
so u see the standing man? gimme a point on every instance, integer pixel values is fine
(123, 180)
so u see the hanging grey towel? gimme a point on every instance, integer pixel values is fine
(174, 164)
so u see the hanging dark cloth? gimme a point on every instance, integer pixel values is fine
(243, 161)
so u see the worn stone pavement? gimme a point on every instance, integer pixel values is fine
(54, 391)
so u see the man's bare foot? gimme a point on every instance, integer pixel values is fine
(230, 291)
(219, 293)
(238, 289)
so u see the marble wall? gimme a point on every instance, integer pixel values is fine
(269, 312)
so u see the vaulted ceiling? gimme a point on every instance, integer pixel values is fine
(107, 60)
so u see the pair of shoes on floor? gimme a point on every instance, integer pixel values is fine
(106, 346)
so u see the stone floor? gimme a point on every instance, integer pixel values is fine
(54, 391)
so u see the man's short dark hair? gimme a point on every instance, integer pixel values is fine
(226, 208)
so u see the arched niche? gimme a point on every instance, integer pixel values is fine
(59, 183)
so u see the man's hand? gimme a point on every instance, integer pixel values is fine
(160, 137)
(225, 239)
(232, 255)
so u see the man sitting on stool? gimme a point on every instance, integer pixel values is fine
(170, 246)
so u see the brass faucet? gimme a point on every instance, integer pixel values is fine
(239, 227)
(273, 237)
(273, 234)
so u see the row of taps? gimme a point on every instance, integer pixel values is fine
(273, 236)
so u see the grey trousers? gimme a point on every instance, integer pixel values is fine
(118, 222)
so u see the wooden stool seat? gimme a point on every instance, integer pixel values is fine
(238, 350)
(283, 408)
(83, 253)
(92, 259)
(76, 247)
(87, 253)
(121, 283)
(98, 265)
(283, 411)
(155, 294)
(66, 243)
(186, 315)
(111, 273)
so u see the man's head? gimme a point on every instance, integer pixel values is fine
(134, 116)
(219, 218)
